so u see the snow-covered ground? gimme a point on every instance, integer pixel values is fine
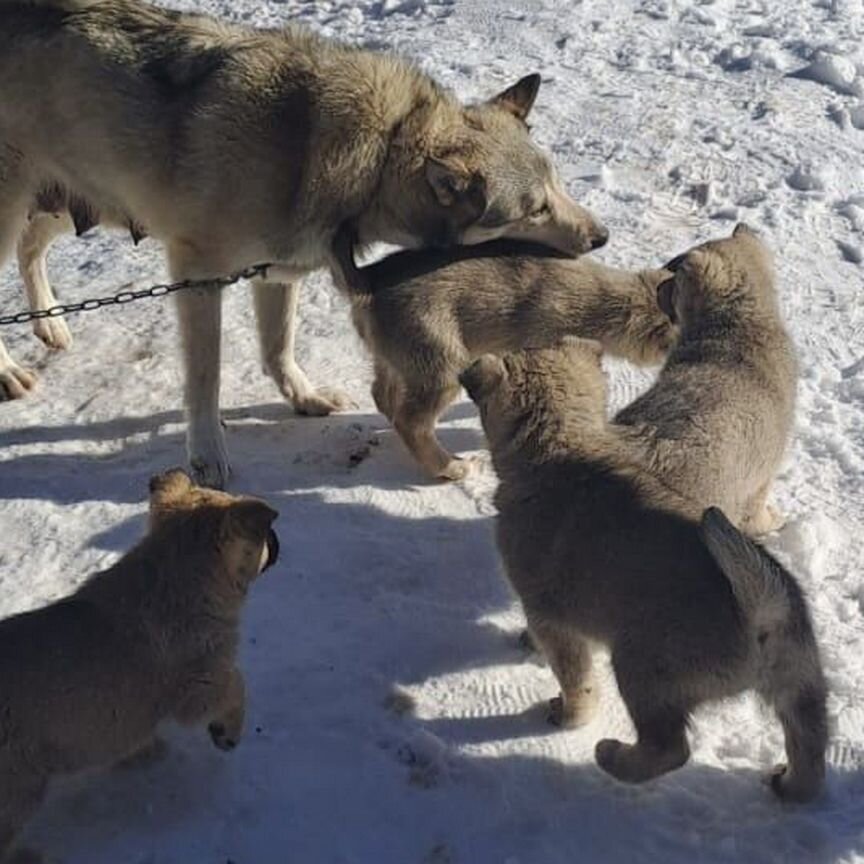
(392, 716)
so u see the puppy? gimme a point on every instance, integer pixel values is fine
(86, 680)
(600, 551)
(425, 315)
(717, 421)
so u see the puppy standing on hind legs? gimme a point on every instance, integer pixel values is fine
(86, 681)
(716, 422)
(599, 550)
(425, 315)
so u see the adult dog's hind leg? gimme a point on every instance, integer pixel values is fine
(39, 233)
(276, 311)
(15, 381)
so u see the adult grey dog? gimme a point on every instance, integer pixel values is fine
(233, 146)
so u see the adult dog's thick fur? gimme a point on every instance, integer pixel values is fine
(599, 550)
(85, 681)
(426, 315)
(717, 421)
(235, 146)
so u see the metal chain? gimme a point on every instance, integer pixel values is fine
(129, 296)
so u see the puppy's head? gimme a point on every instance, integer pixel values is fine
(234, 533)
(535, 401)
(477, 175)
(731, 275)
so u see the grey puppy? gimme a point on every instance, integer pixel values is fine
(426, 315)
(717, 421)
(599, 550)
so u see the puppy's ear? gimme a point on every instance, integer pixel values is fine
(519, 98)
(169, 486)
(666, 292)
(483, 376)
(743, 229)
(251, 517)
(452, 183)
(675, 264)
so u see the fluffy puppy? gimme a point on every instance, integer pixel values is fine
(600, 551)
(717, 421)
(86, 680)
(425, 315)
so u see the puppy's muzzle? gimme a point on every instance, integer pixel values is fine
(272, 550)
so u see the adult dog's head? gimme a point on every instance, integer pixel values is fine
(229, 536)
(465, 174)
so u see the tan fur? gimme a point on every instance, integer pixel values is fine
(718, 419)
(599, 550)
(235, 146)
(85, 681)
(426, 315)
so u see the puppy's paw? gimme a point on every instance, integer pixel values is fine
(792, 789)
(635, 763)
(768, 519)
(15, 381)
(323, 401)
(607, 753)
(221, 737)
(458, 468)
(54, 332)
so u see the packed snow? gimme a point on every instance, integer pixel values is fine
(392, 715)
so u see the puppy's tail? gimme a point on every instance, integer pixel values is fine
(783, 650)
(765, 591)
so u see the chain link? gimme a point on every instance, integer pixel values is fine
(124, 297)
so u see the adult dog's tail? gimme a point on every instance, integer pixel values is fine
(785, 657)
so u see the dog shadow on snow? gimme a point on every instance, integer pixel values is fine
(270, 447)
(362, 598)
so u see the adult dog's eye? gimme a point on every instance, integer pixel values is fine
(540, 210)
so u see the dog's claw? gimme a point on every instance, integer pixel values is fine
(54, 332)
(323, 401)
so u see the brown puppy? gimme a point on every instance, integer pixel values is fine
(600, 551)
(425, 315)
(86, 680)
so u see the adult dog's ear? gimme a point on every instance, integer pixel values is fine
(666, 292)
(454, 184)
(483, 376)
(519, 98)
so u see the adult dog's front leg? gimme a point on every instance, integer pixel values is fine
(276, 310)
(201, 332)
